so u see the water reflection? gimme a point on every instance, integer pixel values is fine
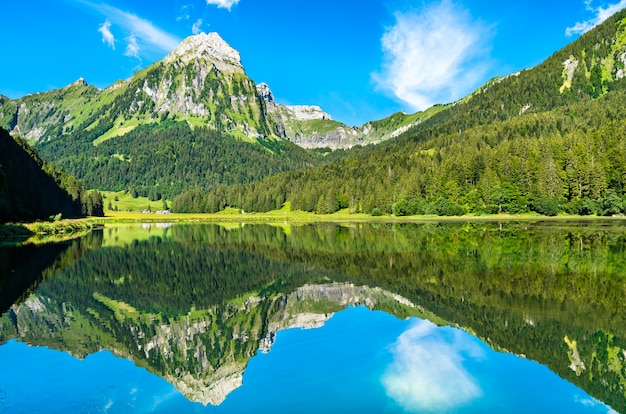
(193, 304)
(428, 371)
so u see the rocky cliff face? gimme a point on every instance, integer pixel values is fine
(203, 354)
(310, 127)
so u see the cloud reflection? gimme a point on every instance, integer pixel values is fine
(427, 373)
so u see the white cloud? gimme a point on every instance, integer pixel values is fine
(144, 32)
(184, 13)
(436, 54)
(427, 372)
(132, 49)
(224, 4)
(107, 36)
(600, 14)
(195, 29)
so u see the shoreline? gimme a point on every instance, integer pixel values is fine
(304, 218)
(42, 232)
(68, 228)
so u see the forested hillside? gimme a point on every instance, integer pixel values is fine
(549, 139)
(32, 190)
(572, 159)
(587, 68)
(166, 159)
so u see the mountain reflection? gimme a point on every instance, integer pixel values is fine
(193, 303)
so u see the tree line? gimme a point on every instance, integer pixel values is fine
(31, 189)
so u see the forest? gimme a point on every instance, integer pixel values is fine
(571, 159)
(31, 189)
(165, 159)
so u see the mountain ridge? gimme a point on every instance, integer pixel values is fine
(201, 80)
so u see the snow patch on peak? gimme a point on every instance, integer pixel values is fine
(205, 46)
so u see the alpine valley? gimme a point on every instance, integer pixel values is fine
(166, 314)
(547, 139)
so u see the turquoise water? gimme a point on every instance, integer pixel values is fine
(359, 361)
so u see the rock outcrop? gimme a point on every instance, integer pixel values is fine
(209, 47)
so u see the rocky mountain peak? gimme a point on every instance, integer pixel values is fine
(205, 46)
(79, 82)
(265, 92)
(308, 112)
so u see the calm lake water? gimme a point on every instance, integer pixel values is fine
(457, 317)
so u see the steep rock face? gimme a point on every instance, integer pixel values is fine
(266, 94)
(206, 47)
(308, 112)
(310, 127)
(201, 80)
(307, 125)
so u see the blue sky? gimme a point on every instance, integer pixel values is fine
(359, 60)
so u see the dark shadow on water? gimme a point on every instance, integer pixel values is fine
(12, 233)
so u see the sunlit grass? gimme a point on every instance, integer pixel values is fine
(122, 201)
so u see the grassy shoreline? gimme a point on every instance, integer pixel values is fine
(42, 232)
(70, 227)
(299, 217)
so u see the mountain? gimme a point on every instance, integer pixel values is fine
(202, 81)
(310, 127)
(587, 68)
(194, 120)
(546, 140)
(30, 190)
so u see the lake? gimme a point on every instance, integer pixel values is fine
(395, 318)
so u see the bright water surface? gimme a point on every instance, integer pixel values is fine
(318, 318)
